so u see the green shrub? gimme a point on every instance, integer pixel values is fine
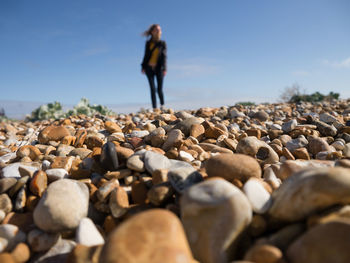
(246, 103)
(54, 110)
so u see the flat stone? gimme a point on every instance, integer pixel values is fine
(87, 233)
(73, 199)
(157, 234)
(205, 210)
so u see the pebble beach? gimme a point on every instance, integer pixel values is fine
(267, 183)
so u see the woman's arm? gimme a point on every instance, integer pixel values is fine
(144, 62)
(164, 58)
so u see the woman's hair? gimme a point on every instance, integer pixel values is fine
(148, 32)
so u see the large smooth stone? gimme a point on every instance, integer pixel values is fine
(309, 191)
(63, 205)
(233, 166)
(153, 236)
(214, 213)
(323, 243)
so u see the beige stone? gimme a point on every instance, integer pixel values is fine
(309, 191)
(153, 236)
(205, 210)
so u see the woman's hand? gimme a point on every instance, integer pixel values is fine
(142, 71)
(164, 73)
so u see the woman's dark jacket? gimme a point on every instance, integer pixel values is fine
(162, 58)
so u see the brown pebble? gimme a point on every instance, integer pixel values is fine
(7, 258)
(38, 183)
(139, 192)
(21, 253)
(264, 254)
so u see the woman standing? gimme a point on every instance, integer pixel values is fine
(154, 62)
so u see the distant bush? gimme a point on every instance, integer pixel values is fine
(246, 103)
(294, 95)
(48, 111)
(84, 107)
(314, 97)
(54, 110)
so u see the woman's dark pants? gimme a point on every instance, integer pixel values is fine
(151, 75)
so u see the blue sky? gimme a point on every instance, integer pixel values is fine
(219, 52)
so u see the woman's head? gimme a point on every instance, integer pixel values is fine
(154, 31)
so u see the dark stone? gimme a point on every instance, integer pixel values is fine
(109, 157)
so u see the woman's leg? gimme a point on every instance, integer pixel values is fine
(160, 87)
(150, 77)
